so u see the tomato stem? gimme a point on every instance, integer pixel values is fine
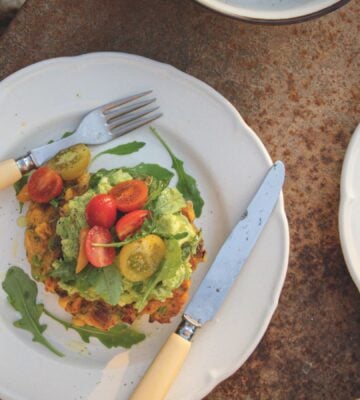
(116, 244)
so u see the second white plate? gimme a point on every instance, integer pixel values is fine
(273, 11)
(349, 214)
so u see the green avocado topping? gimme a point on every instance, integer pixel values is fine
(166, 221)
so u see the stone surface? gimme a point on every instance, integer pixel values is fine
(298, 87)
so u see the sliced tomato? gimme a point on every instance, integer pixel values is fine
(130, 195)
(99, 256)
(71, 163)
(24, 196)
(82, 260)
(130, 223)
(140, 259)
(44, 185)
(101, 210)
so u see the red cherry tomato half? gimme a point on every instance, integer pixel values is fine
(99, 256)
(101, 210)
(44, 185)
(130, 195)
(130, 223)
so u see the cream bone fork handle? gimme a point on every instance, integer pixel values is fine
(99, 126)
(213, 289)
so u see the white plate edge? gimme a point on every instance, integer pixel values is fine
(242, 12)
(345, 200)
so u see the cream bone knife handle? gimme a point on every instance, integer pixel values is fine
(9, 173)
(164, 369)
(12, 170)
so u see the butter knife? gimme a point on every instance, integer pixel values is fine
(213, 290)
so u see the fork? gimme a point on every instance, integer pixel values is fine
(99, 126)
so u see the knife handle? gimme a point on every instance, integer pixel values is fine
(162, 372)
(9, 173)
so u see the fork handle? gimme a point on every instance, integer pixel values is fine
(9, 173)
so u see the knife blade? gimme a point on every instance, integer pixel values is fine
(214, 288)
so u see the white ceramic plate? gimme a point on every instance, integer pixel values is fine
(349, 215)
(273, 10)
(229, 161)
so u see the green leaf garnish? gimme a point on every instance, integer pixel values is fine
(108, 284)
(55, 202)
(186, 183)
(21, 183)
(122, 149)
(66, 134)
(144, 170)
(120, 335)
(22, 293)
(105, 282)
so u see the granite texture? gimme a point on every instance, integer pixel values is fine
(298, 87)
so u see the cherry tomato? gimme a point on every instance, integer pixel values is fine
(71, 163)
(99, 256)
(44, 185)
(130, 223)
(101, 210)
(140, 259)
(130, 195)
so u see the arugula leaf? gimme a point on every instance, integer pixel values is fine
(122, 149)
(120, 335)
(55, 202)
(96, 178)
(186, 183)
(108, 284)
(143, 170)
(21, 183)
(22, 293)
(172, 261)
(105, 282)
(156, 187)
(66, 134)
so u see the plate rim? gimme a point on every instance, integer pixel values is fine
(345, 200)
(231, 11)
(208, 387)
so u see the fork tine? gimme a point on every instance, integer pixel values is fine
(119, 102)
(130, 117)
(134, 125)
(110, 114)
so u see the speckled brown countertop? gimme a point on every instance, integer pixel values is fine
(298, 87)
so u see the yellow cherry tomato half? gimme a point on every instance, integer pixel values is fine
(140, 259)
(71, 163)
